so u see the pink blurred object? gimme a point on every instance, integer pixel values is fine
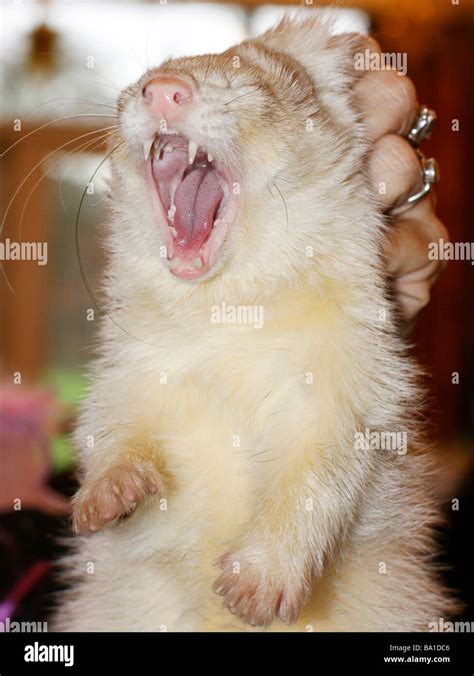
(28, 419)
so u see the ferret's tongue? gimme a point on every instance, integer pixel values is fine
(196, 199)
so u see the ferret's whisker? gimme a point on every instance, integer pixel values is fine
(110, 83)
(123, 91)
(280, 178)
(89, 145)
(241, 95)
(271, 194)
(81, 261)
(50, 122)
(95, 131)
(64, 98)
(284, 202)
(92, 144)
(79, 253)
(81, 147)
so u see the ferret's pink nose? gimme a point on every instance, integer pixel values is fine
(166, 97)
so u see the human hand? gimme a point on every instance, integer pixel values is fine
(388, 105)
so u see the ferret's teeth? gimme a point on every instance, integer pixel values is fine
(198, 264)
(192, 150)
(147, 147)
(209, 157)
(174, 232)
(217, 223)
(171, 212)
(156, 150)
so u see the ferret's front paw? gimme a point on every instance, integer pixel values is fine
(258, 590)
(115, 493)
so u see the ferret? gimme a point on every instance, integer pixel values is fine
(233, 470)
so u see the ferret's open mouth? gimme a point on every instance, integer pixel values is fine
(193, 202)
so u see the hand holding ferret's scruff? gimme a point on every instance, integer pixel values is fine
(250, 449)
(388, 104)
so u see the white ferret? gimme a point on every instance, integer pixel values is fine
(234, 471)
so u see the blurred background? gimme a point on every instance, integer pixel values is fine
(63, 64)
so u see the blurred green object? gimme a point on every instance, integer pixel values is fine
(70, 387)
(62, 455)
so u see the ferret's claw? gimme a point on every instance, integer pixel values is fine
(114, 494)
(258, 596)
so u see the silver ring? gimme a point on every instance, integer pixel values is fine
(429, 175)
(422, 127)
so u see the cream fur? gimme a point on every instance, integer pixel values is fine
(327, 315)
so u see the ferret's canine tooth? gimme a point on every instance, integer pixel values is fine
(147, 147)
(174, 232)
(171, 211)
(210, 157)
(156, 150)
(192, 150)
(174, 263)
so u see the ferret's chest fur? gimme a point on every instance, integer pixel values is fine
(224, 402)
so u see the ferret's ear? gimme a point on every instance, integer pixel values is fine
(330, 60)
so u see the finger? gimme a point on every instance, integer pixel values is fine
(424, 210)
(387, 102)
(413, 289)
(412, 286)
(406, 246)
(395, 170)
(413, 294)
